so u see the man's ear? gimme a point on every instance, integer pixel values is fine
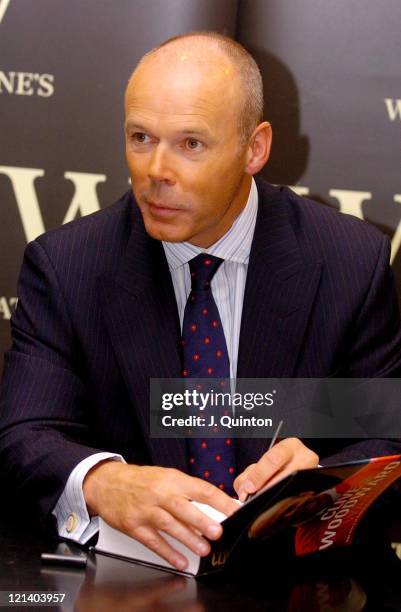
(259, 148)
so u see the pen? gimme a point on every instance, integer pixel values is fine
(272, 443)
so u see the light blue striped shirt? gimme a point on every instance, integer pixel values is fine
(228, 286)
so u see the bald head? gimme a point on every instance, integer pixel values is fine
(227, 68)
(193, 138)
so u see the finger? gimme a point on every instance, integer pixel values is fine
(163, 520)
(237, 484)
(215, 497)
(303, 457)
(152, 539)
(280, 475)
(195, 530)
(269, 464)
(206, 493)
(285, 457)
(188, 514)
(302, 461)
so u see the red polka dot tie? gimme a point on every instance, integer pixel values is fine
(205, 356)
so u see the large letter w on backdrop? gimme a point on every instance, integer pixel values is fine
(3, 7)
(84, 200)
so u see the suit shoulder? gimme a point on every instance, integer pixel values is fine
(341, 241)
(328, 216)
(101, 232)
(101, 220)
(324, 233)
(332, 232)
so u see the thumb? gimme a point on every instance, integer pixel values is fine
(253, 480)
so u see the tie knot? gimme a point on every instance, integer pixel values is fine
(203, 267)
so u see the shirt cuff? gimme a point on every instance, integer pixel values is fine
(73, 520)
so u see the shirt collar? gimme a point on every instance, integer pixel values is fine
(234, 246)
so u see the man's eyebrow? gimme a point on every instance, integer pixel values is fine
(195, 131)
(129, 125)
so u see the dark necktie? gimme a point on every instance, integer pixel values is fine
(205, 356)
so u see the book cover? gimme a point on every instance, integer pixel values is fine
(320, 508)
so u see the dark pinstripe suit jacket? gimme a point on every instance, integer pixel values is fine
(97, 318)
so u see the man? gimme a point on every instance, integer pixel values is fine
(302, 291)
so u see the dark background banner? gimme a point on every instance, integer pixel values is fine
(333, 95)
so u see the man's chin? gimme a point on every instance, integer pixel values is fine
(166, 233)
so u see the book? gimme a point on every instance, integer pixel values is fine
(320, 508)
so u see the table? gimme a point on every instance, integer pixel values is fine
(369, 579)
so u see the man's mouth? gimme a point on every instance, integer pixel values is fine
(160, 209)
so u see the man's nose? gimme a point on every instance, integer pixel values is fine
(160, 168)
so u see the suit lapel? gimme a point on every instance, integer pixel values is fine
(142, 321)
(280, 290)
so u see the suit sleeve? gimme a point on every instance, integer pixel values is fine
(375, 350)
(375, 347)
(44, 433)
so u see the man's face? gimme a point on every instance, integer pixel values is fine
(182, 146)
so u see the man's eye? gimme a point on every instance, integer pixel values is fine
(193, 144)
(140, 137)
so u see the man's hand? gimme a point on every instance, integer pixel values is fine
(141, 500)
(285, 457)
